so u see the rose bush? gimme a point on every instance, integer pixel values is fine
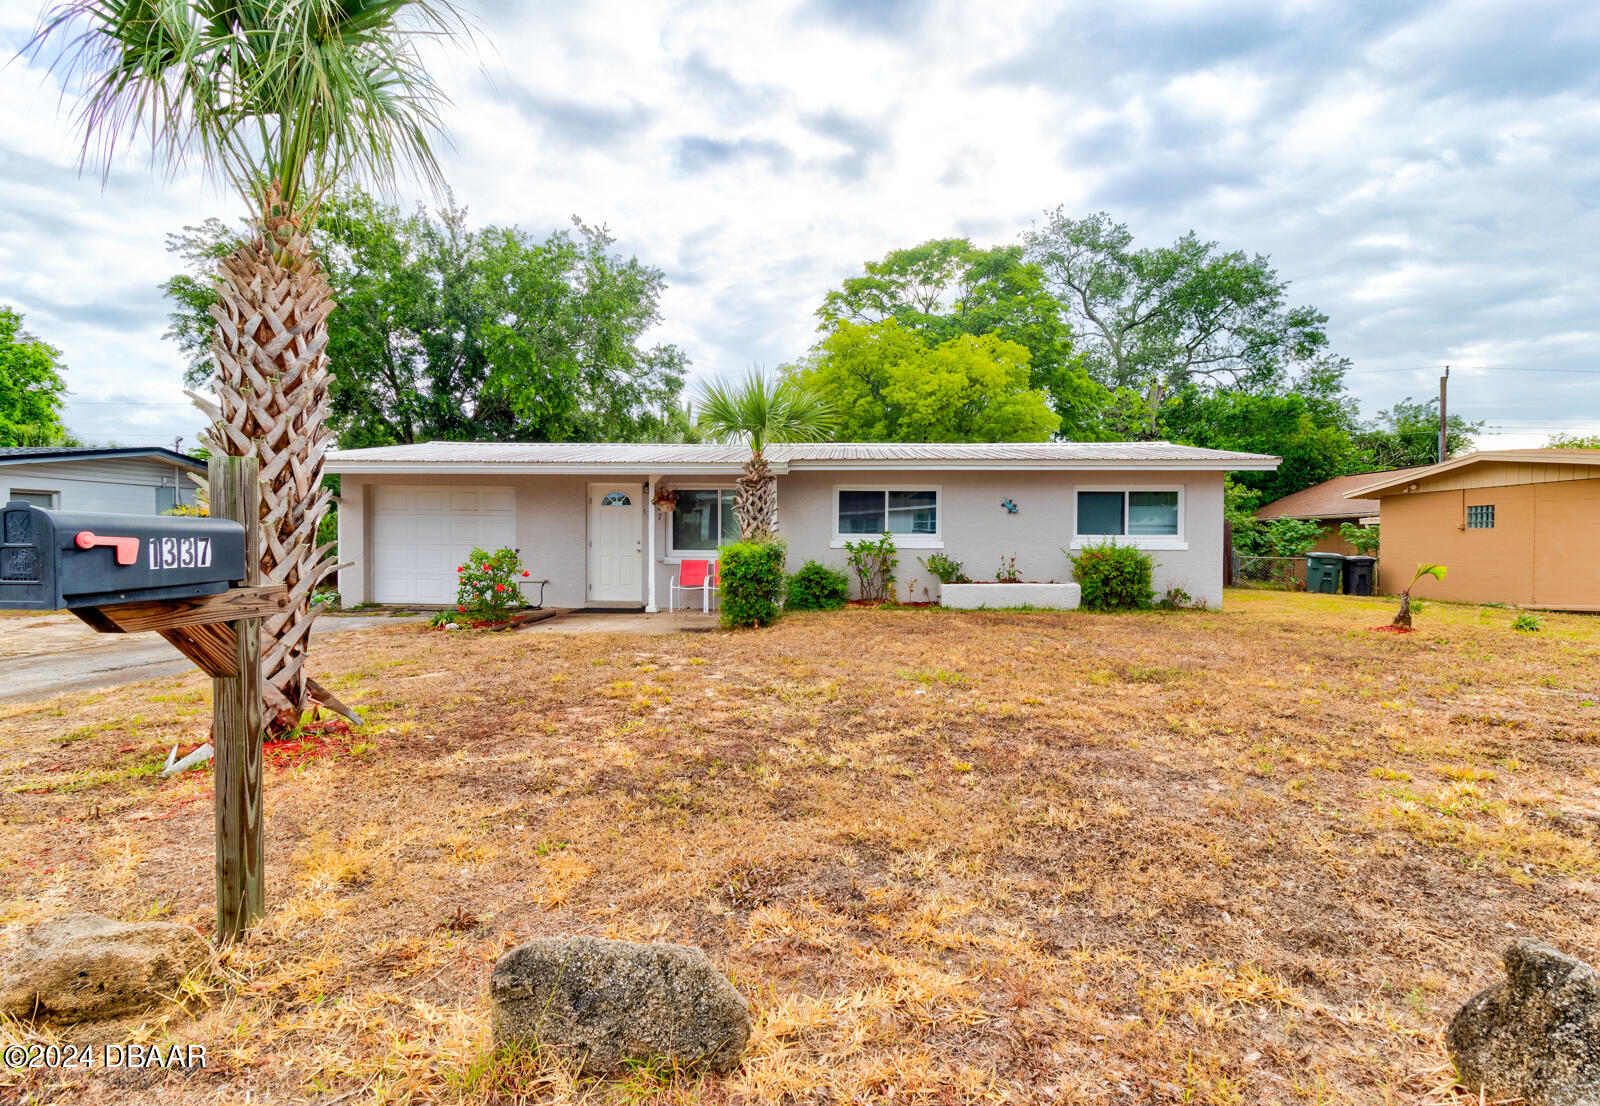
(488, 590)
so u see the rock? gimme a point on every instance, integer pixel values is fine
(81, 967)
(1535, 1036)
(604, 1003)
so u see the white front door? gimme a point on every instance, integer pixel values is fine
(616, 537)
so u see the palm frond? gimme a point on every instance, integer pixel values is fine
(303, 92)
(761, 410)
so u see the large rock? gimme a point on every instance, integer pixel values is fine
(604, 1003)
(1537, 1035)
(79, 967)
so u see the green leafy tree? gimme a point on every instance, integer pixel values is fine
(284, 101)
(761, 411)
(1402, 617)
(446, 332)
(1154, 320)
(947, 288)
(888, 385)
(31, 388)
(1291, 537)
(1573, 441)
(1407, 434)
(1292, 426)
(1364, 539)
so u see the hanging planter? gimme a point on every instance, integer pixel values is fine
(666, 499)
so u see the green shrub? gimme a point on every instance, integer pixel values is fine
(873, 561)
(816, 587)
(1113, 577)
(488, 591)
(752, 583)
(945, 567)
(1364, 538)
(1525, 623)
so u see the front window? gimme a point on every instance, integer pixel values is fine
(704, 520)
(1135, 514)
(906, 512)
(1480, 516)
(47, 500)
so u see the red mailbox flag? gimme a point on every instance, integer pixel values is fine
(127, 548)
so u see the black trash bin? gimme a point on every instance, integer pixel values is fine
(1358, 573)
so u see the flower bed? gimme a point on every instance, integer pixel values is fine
(970, 597)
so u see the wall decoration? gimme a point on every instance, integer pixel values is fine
(1010, 505)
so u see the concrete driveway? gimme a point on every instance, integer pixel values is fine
(45, 655)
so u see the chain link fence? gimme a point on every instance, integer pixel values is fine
(1279, 573)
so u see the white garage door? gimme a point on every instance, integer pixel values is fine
(421, 535)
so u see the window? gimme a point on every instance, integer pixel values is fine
(1149, 517)
(1480, 516)
(911, 514)
(616, 499)
(703, 521)
(47, 500)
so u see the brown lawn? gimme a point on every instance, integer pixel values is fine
(1250, 856)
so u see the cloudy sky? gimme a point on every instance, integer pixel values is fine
(1425, 174)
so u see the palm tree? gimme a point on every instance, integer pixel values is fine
(1402, 617)
(762, 411)
(282, 99)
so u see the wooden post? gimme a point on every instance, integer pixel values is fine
(237, 718)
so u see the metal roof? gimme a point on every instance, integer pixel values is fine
(28, 454)
(587, 456)
(1590, 457)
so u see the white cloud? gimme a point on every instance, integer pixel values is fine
(1426, 177)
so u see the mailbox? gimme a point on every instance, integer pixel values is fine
(50, 560)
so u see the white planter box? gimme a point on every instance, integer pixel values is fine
(971, 597)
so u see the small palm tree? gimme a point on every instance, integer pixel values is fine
(1402, 617)
(282, 99)
(762, 411)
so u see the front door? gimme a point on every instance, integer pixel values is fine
(616, 543)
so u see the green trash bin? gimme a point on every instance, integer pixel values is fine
(1323, 571)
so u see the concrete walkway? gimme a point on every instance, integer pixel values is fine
(625, 622)
(45, 655)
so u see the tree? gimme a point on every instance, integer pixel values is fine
(1156, 320)
(1402, 617)
(31, 388)
(889, 386)
(282, 99)
(1407, 434)
(446, 332)
(1573, 441)
(948, 287)
(762, 411)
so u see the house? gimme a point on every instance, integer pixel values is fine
(1512, 526)
(130, 481)
(585, 515)
(1327, 504)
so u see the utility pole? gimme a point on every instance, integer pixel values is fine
(1444, 424)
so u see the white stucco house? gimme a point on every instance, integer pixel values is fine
(584, 515)
(116, 480)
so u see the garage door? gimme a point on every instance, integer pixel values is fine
(420, 536)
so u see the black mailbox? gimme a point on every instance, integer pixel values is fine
(50, 560)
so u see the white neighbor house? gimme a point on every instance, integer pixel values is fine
(582, 515)
(124, 481)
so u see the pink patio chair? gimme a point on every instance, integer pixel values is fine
(695, 576)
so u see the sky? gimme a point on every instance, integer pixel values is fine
(1426, 174)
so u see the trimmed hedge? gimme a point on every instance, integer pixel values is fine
(752, 583)
(816, 587)
(1114, 577)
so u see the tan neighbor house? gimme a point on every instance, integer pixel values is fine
(1327, 504)
(1516, 526)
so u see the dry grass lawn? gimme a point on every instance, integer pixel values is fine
(1251, 856)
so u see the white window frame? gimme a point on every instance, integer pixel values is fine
(934, 540)
(1177, 541)
(674, 555)
(53, 496)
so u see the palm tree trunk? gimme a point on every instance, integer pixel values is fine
(272, 404)
(1402, 617)
(756, 504)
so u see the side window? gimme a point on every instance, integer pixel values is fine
(1480, 516)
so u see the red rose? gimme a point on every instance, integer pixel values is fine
(499, 587)
(461, 568)
(524, 573)
(486, 568)
(461, 608)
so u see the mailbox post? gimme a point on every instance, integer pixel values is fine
(196, 582)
